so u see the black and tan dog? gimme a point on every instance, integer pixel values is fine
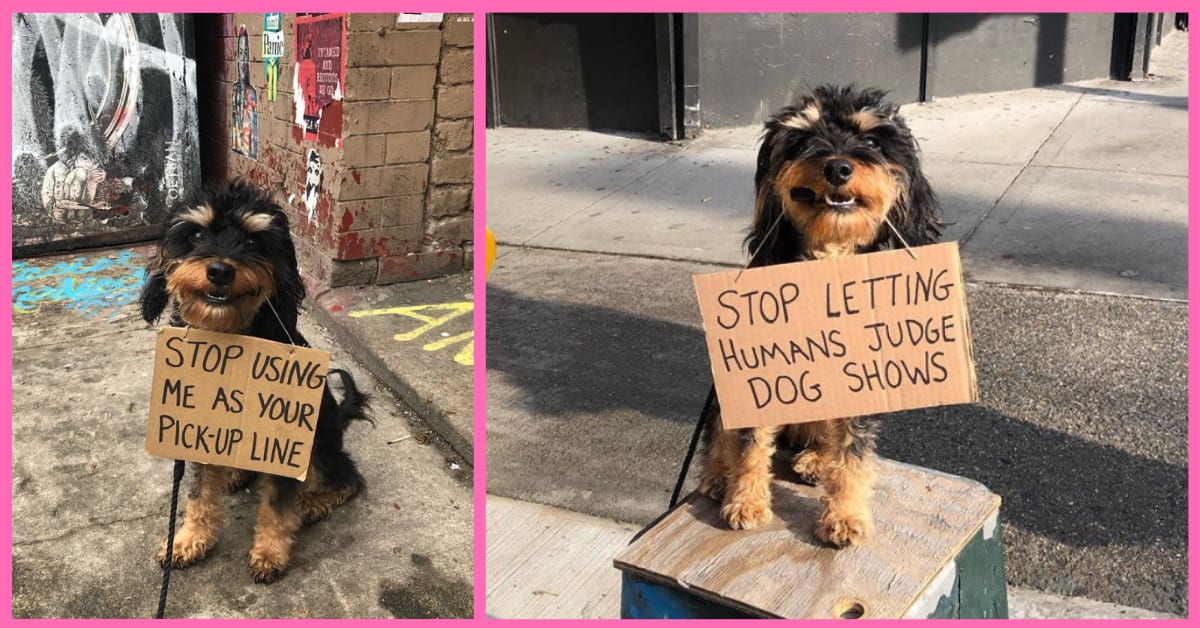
(834, 169)
(226, 263)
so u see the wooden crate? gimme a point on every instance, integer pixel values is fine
(936, 552)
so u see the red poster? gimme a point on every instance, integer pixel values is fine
(320, 42)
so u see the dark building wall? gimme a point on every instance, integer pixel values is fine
(752, 64)
(970, 53)
(569, 71)
(607, 72)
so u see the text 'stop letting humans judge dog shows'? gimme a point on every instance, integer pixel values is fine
(838, 337)
(236, 401)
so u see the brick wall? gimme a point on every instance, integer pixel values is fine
(395, 200)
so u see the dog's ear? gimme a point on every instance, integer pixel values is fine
(289, 287)
(772, 239)
(918, 215)
(919, 223)
(154, 296)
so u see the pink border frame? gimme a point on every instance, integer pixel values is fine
(480, 396)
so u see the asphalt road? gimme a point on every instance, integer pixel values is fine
(596, 370)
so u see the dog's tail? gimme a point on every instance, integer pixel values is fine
(355, 403)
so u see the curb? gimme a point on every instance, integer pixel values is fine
(427, 409)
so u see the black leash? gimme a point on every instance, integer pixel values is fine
(162, 597)
(687, 460)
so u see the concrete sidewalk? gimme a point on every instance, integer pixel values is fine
(1070, 204)
(418, 338)
(90, 507)
(1036, 184)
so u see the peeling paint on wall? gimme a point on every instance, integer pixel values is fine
(104, 123)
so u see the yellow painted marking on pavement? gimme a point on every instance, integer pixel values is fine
(433, 316)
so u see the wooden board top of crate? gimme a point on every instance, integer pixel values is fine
(923, 519)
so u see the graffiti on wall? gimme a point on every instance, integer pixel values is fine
(320, 41)
(434, 317)
(104, 122)
(89, 286)
(245, 102)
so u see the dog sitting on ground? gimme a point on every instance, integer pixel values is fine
(834, 169)
(227, 263)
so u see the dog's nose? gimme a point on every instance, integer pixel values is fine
(220, 273)
(838, 171)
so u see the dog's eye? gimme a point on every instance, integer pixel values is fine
(197, 235)
(251, 242)
(871, 142)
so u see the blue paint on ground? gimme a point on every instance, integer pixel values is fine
(88, 286)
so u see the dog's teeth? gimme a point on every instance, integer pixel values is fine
(833, 203)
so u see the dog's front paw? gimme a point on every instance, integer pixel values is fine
(805, 466)
(845, 528)
(187, 551)
(266, 567)
(746, 514)
(712, 486)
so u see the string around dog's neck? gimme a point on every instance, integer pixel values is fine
(281, 325)
(775, 225)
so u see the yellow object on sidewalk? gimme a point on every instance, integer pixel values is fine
(489, 251)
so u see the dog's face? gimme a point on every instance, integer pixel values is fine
(838, 163)
(221, 259)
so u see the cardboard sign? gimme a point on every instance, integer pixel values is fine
(840, 337)
(235, 401)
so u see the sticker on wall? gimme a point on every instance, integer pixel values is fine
(245, 102)
(317, 86)
(272, 51)
(418, 17)
(312, 182)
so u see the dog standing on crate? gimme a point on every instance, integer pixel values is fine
(838, 174)
(226, 263)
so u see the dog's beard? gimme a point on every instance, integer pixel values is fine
(230, 309)
(838, 221)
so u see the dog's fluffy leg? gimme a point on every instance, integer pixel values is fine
(274, 531)
(845, 466)
(718, 456)
(317, 498)
(747, 502)
(203, 518)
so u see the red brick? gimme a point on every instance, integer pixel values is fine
(393, 48)
(400, 180)
(374, 213)
(413, 82)
(352, 272)
(422, 265)
(405, 148)
(379, 242)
